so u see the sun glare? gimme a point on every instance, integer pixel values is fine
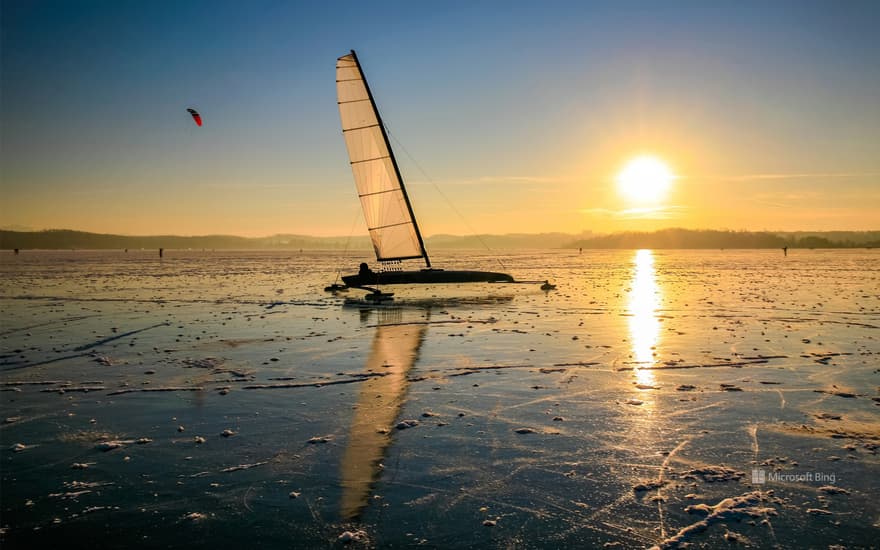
(645, 179)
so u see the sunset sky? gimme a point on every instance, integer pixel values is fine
(522, 114)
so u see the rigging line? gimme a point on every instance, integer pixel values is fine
(449, 202)
(347, 240)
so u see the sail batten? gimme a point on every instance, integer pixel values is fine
(387, 211)
(361, 127)
(377, 192)
(369, 160)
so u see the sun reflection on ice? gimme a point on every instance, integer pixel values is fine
(644, 326)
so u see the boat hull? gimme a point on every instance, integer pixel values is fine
(424, 277)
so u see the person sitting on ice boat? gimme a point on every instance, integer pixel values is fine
(365, 273)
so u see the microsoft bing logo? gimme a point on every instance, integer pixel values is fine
(761, 476)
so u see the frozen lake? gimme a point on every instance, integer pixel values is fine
(655, 398)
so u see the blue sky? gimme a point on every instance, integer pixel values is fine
(521, 112)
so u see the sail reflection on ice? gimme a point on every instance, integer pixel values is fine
(644, 326)
(394, 351)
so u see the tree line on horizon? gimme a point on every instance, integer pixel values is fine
(61, 239)
(65, 239)
(712, 238)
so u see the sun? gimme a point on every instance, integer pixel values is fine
(645, 179)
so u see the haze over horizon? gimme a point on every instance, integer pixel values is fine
(766, 115)
(434, 236)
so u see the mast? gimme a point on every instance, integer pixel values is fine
(393, 161)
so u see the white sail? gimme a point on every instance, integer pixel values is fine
(386, 207)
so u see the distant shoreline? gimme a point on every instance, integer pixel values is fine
(63, 239)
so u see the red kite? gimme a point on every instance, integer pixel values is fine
(196, 116)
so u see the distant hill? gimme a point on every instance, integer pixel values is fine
(508, 241)
(665, 238)
(707, 238)
(65, 238)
